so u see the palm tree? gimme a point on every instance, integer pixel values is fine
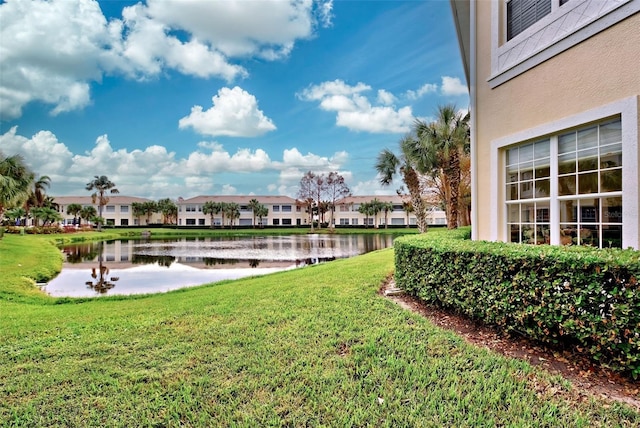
(408, 164)
(39, 192)
(254, 204)
(74, 210)
(16, 214)
(168, 209)
(444, 141)
(87, 213)
(137, 208)
(211, 208)
(408, 209)
(148, 208)
(262, 211)
(101, 184)
(386, 207)
(365, 208)
(15, 181)
(233, 212)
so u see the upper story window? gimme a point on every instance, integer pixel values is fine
(525, 33)
(124, 208)
(276, 208)
(521, 14)
(286, 208)
(110, 208)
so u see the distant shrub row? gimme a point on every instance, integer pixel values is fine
(585, 298)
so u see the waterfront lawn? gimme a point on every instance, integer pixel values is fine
(310, 347)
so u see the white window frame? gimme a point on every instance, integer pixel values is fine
(542, 41)
(627, 110)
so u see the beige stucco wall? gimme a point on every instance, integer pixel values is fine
(598, 71)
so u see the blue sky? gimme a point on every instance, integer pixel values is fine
(193, 97)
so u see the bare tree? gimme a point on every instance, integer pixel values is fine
(336, 189)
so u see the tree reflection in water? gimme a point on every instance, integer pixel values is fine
(101, 283)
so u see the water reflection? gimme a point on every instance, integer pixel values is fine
(149, 266)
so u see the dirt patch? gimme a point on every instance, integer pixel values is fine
(588, 380)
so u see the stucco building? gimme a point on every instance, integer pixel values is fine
(554, 88)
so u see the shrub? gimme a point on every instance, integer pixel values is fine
(576, 296)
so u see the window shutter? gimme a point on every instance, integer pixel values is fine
(521, 14)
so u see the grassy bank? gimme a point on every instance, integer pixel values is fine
(309, 347)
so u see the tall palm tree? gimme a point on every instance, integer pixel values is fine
(233, 212)
(262, 212)
(87, 213)
(100, 185)
(39, 190)
(15, 181)
(254, 204)
(408, 209)
(386, 207)
(442, 142)
(74, 210)
(408, 164)
(211, 208)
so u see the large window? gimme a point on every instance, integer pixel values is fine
(582, 184)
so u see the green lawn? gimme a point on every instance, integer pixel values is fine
(310, 347)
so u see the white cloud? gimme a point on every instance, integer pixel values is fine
(234, 113)
(427, 88)
(453, 86)
(385, 97)
(355, 111)
(54, 50)
(228, 189)
(155, 172)
(372, 187)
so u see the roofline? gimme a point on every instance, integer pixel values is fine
(461, 10)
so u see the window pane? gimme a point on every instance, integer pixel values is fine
(588, 183)
(590, 235)
(567, 185)
(543, 189)
(588, 138)
(567, 143)
(528, 233)
(611, 236)
(513, 213)
(611, 156)
(568, 211)
(514, 235)
(588, 160)
(611, 180)
(611, 132)
(512, 192)
(567, 163)
(526, 153)
(589, 210)
(541, 149)
(526, 171)
(526, 190)
(512, 156)
(543, 171)
(612, 210)
(568, 234)
(542, 234)
(526, 213)
(542, 213)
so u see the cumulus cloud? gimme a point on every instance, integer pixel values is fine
(427, 88)
(234, 113)
(453, 86)
(156, 172)
(54, 50)
(355, 112)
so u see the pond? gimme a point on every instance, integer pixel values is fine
(152, 266)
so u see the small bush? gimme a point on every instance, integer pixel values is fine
(576, 296)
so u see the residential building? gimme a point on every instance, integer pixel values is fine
(282, 211)
(554, 87)
(117, 211)
(347, 214)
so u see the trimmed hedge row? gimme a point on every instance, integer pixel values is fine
(585, 298)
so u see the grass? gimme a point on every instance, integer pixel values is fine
(310, 347)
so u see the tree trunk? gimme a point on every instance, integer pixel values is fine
(413, 184)
(453, 174)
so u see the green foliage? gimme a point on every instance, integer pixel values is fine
(576, 296)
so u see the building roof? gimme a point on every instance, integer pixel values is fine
(238, 199)
(86, 200)
(362, 199)
(461, 10)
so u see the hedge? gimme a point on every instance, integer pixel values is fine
(581, 297)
